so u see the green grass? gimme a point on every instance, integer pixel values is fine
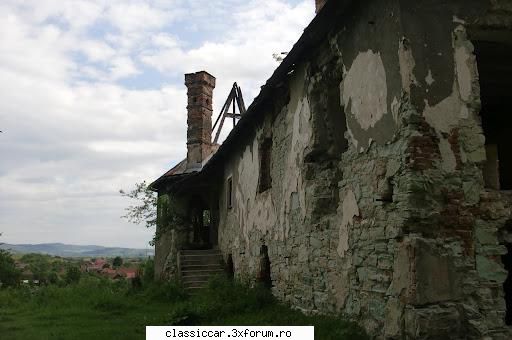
(99, 309)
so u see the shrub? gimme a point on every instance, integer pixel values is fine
(73, 275)
(171, 291)
(9, 275)
(118, 262)
(148, 271)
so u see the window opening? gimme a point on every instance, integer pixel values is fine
(265, 180)
(495, 76)
(230, 193)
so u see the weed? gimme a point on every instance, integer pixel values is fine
(96, 308)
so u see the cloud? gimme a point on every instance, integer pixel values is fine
(244, 54)
(75, 133)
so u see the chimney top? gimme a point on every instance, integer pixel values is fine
(200, 87)
(319, 4)
(200, 78)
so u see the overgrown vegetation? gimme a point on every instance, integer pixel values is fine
(145, 209)
(97, 308)
(9, 275)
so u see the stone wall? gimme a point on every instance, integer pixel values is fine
(377, 208)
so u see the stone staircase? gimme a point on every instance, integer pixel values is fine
(197, 266)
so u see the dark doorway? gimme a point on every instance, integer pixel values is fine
(205, 227)
(201, 224)
(495, 71)
(214, 226)
(230, 267)
(264, 276)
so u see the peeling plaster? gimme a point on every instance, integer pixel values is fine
(364, 89)
(449, 162)
(452, 109)
(429, 79)
(268, 213)
(350, 209)
(407, 65)
(464, 78)
(351, 137)
(458, 20)
(395, 109)
(372, 271)
(444, 115)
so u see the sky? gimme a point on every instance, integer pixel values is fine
(92, 101)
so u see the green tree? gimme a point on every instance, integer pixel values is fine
(118, 262)
(145, 210)
(73, 275)
(148, 271)
(53, 278)
(9, 275)
(39, 265)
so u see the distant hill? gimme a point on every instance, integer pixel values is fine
(69, 250)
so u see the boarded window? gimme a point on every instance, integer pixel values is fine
(265, 180)
(229, 193)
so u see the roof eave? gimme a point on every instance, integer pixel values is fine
(318, 28)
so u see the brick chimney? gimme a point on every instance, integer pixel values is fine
(319, 4)
(200, 87)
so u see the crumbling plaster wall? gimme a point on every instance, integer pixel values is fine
(377, 207)
(450, 211)
(393, 226)
(330, 220)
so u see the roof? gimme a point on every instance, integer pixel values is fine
(313, 35)
(179, 171)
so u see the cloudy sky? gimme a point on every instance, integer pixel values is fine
(92, 100)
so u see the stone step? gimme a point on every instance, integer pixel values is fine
(197, 276)
(196, 287)
(201, 260)
(199, 266)
(197, 283)
(200, 253)
(200, 256)
(196, 256)
(201, 272)
(193, 290)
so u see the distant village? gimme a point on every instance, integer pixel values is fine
(108, 269)
(37, 269)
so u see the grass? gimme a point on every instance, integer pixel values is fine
(99, 309)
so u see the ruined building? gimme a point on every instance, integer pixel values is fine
(371, 175)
